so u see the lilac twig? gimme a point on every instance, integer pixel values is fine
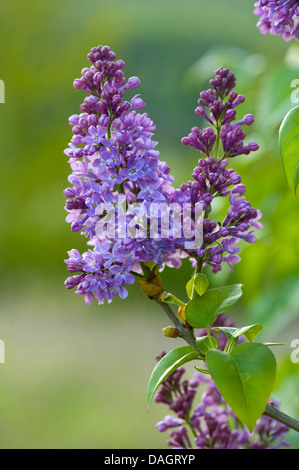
(274, 413)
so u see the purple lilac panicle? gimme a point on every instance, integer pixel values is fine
(213, 423)
(114, 162)
(218, 107)
(211, 178)
(115, 166)
(278, 17)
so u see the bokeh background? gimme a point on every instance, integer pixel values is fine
(75, 376)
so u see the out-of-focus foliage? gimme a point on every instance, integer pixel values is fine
(174, 47)
(289, 148)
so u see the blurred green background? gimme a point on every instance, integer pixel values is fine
(75, 376)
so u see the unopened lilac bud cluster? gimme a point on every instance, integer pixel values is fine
(212, 178)
(218, 107)
(114, 163)
(278, 17)
(210, 424)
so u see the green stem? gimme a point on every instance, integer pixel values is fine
(170, 298)
(109, 131)
(187, 419)
(186, 333)
(209, 335)
(274, 413)
(217, 144)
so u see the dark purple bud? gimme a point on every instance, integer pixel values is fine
(92, 120)
(120, 64)
(137, 102)
(74, 120)
(104, 120)
(77, 84)
(248, 119)
(133, 82)
(98, 78)
(253, 146)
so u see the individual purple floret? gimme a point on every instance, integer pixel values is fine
(278, 17)
(210, 424)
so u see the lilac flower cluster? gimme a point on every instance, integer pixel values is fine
(114, 163)
(117, 177)
(212, 179)
(211, 424)
(278, 17)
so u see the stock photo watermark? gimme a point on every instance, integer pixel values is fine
(295, 353)
(117, 219)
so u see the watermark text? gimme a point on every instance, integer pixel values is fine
(295, 353)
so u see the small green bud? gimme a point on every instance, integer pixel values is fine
(170, 332)
(181, 314)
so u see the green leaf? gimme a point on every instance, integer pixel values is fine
(245, 379)
(202, 311)
(168, 364)
(189, 287)
(203, 371)
(250, 332)
(289, 148)
(205, 343)
(231, 344)
(227, 330)
(201, 283)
